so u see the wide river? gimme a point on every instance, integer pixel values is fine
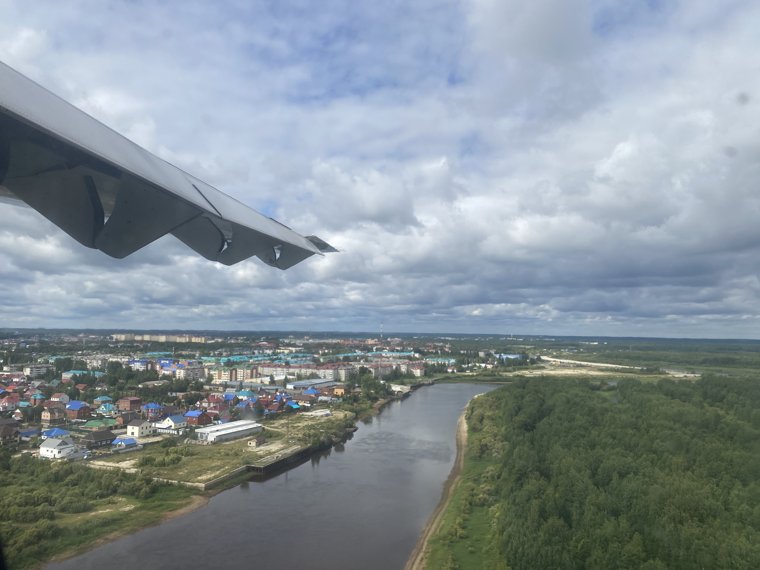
(362, 505)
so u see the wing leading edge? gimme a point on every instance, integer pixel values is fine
(110, 194)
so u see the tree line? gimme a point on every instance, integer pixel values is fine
(625, 475)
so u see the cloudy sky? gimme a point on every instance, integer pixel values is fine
(585, 167)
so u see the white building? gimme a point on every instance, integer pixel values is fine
(140, 428)
(60, 448)
(37, 370)
(190, 373)
(228, 431)
(172, 424)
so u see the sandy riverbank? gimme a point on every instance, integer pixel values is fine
(418, 558)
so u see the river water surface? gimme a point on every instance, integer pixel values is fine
(362, 505)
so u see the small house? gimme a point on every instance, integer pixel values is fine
(60, 397)
(9, 431)
(121, 444)
(171, 425)
(152, 410)
(99, 438)
(77, 410)
(197, 418)
(59, 448)
(54, 432)
(129, 404)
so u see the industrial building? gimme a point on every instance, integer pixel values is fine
(228, 431)
(313, 383)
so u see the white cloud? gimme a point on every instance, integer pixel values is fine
(575, 167)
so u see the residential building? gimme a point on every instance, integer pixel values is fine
(9, 402)
(37, 370)
(172, 424)
(60, 397)
(125, 444)
(129, 404)
(99, 424)
(77, 410)
(197, 418)
(9, 431)
(187, 372)
(152, 411)
(59, 448)
(98, 438)
(140, 428)
(53, 416)
(54, 432)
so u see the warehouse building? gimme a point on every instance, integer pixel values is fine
(228, 431)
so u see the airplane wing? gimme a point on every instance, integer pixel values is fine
(110, 194)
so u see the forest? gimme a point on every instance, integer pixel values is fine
(626, 474)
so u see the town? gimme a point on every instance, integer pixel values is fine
(68, 396)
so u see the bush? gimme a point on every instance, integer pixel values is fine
(74, 505)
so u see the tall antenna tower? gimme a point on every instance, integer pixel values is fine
(381, 330)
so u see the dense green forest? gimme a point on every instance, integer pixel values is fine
(49, 508)
(575, 474)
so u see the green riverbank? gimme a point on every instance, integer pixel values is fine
(568, 473)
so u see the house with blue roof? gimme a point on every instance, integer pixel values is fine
(122, 444)
(77, 410)
(107, 409)
(138, 364)
(198, 418)
(174, 425)
(38, 398)
(54, 432)
(27, 434)
(153, 410)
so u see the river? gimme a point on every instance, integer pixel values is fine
(361, 505)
